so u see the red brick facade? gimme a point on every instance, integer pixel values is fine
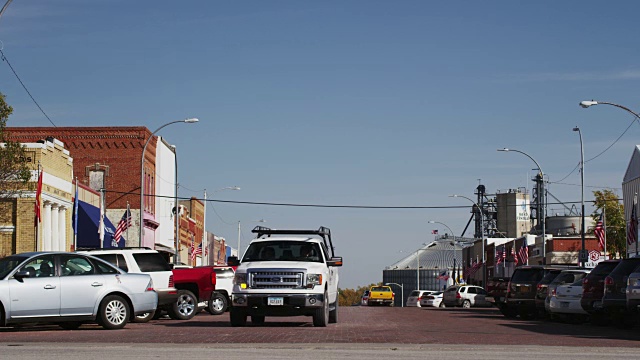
(117, 150)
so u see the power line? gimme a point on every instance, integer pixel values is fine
(4, 58)
(371, 207)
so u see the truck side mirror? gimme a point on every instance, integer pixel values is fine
(233, 261)
(335, 261)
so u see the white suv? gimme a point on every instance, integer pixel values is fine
(285, 275)
(416, 296)
(465, 296)
(143, 261)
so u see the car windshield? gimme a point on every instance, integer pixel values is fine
(283, 251)
(551, 275)
(527, 275)
(414, 293)
(380, 288)
(9, 263)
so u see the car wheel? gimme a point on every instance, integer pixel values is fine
(237, 317)
(333, 314)
(442, 305)
(143, 318)
(71, 325)
(217, 304)
(321, 316)
(185, 306)
(466, 304)
(257, 319)
(113, 313)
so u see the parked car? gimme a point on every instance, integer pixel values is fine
(633, 293)
(565, 277)
(194, 285)
(365, 298)
(381, 295)
(593, 290)
(416, 296)
(465, 296)
(144, 261)
(614, 301)
(523, 289)
(432, 300)
(70, 289)
(564, 302)
(497, 290)
(220, 299)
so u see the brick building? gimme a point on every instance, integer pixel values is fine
(110, 158)
(19, 229)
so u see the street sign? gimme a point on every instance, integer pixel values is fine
(583, 255)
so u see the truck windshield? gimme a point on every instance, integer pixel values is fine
(283, 251)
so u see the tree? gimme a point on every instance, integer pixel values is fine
(348, 297)
(14, 170)
(615, 222)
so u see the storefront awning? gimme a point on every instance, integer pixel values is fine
(88, 222)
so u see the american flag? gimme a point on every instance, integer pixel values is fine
(434, 231)
(632, 234)
(195, 252)
(599, 232)
(513, 253)
(499, 257)
(123, 224)
(524, 253)
(475, 268)
(443, 275)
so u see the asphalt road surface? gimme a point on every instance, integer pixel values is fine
(361, 332)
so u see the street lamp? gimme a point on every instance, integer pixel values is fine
(541, 197)
(176, 232)
(588, 103)
(402, 291)
(484, 265)
(144, 149)
(582, 257)
(454, 245)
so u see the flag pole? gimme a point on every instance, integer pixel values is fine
(75, 220)
(128, 212)
(604, 225)
(38, 239)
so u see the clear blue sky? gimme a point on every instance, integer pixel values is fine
(341, 102)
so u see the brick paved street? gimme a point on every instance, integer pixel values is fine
(356, 325)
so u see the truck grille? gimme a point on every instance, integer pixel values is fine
(275, 279)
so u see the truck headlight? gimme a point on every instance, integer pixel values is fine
(241, 280)
(313, 280)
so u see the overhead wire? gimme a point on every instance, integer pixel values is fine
(4, 58)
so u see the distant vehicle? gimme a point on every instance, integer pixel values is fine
(497, 292)
(614, 301)
(593, 290)
(564, 278)
(465, 296)
(70, 289)
(365, 298)
(432, 300)
(564, 302)
(633, 293)
(381, 295)
(416, 296)
(523, 289)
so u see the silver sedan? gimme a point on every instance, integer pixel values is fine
(70, 289)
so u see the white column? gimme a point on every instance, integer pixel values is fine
(62, 229)
(54, 227)
(46, 227)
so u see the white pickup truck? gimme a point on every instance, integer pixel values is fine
(286, 273)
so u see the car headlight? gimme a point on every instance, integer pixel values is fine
(313, 280)
(240, 279)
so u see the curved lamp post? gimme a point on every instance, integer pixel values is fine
(544, 204)
(144, 149)
(484, 265)
(588, 103)
(582, 253)
(401, 289)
